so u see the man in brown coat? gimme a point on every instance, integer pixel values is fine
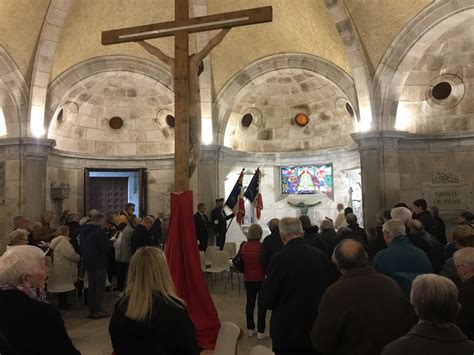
(363, 311)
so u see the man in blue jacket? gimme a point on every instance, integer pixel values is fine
(401, 260)
(95, 245)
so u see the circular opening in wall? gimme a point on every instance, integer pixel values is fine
(116, 122)
(301, 119)
(246, 120)
(349, 109)
(60, 115)
(442, 90)
(170, 120)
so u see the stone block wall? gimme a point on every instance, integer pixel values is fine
(449, 59)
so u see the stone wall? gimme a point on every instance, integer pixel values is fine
(275, 204)
(449, 59)
(401, 167)
(140, 101)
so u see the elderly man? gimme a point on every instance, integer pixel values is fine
(463, 237)
(404, 214)
(272, 243)
(401, 260)
(435, 299)
(464, 261)
(363, 311)
(46, 233)
(142, 236)
(296, 279)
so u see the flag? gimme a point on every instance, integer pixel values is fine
(253, 193)
(235, 201)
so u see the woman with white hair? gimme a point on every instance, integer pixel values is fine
(63, 273)
(151, 319)
(28, 324)
(435, 299)
(17, 237)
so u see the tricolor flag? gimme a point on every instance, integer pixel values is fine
(235, 201)
(253, 193)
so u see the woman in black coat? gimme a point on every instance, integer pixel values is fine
(28, 324)
(153, 322)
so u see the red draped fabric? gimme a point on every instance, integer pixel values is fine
(183, 259)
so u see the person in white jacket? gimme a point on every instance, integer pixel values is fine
(63, 273)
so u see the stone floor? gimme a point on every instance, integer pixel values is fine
(91, 337)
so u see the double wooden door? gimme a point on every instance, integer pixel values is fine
(108, 195)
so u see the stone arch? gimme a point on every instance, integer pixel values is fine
(13, 95)
(64, 83)
(361, 72)
(227, 95)
(48, 41)
(407, 49)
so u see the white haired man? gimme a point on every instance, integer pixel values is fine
(435, 299)
(464, 261)
(401, 260)
(404, 214)
(28, 323)
(376, 312)
(296, 279)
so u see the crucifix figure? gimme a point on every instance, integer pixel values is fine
(196, 67)
(303, 207)
(186, 68)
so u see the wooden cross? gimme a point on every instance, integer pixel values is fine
(181, 27)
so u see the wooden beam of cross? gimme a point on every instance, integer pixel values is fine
(181, 27)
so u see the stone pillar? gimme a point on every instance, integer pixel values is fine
(379, 171)
(35, 155)
(208, 177)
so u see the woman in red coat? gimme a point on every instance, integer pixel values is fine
(253, 279)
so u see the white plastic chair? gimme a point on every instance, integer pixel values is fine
(220, 265)
(227, 339)
(202, 256)
(231, 247)
(209, 250)
(261, 350)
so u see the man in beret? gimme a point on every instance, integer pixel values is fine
(219, 218)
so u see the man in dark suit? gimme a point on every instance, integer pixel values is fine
(201, 223)
(272, 243)
(296, 279)
(142, 236)
(219, 218)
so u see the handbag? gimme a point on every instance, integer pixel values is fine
(238, 260)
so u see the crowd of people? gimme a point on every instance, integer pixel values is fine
(397, 288)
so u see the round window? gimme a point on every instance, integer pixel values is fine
(349, 109)
(246, 120)
(170, 120)
(442, 90)
(60, 115)
(301, 119)
(116, 122)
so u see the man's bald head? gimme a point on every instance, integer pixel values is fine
(349, 255)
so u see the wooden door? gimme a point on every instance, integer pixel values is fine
(108, 194)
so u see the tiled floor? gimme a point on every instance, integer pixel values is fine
(91, 337)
